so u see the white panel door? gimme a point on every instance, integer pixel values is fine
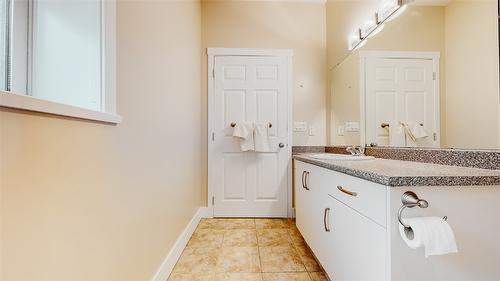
(400, 90)
(250, 89)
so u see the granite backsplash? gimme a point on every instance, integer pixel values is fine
(483, 159)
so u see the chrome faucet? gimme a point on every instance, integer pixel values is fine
(356, 150)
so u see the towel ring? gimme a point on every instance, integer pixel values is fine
(410, 200)
(233, 124)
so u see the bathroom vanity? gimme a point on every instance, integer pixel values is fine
(347, 213)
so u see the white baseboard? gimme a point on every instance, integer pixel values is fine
(206, 212)
(173, 256)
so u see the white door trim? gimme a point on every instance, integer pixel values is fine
(364, 55)
(249, 52)
(212, 54)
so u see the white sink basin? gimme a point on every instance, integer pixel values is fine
(345, 157)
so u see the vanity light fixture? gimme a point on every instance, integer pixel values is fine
(397, 13)
(376, 31)
(368, 28)
(385, 14)
(361, 44)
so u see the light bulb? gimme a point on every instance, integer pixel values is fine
(367, 28)
(387, 8)
(399, 12)
(353, 41)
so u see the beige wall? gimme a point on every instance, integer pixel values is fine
(418, 29)
(343, 18)
(88, 201)
(345, 100)
(473, 105)
(285, 25)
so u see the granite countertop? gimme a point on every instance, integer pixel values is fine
(406, 173)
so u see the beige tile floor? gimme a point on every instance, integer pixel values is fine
(247, 250)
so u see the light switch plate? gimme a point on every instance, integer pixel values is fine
(312, 131)
(300, 126)
(351, 126)
(340, 131)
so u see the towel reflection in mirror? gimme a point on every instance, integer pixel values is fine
(406, 134)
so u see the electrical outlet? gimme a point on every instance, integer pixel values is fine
(351, 126)
(300, 126)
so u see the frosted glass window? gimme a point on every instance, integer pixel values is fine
(62, 53)
(3, 44)
(66, 52)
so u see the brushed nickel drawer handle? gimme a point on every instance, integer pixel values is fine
(303, 175)
(352, 193)
(326, 219)
(306, 186)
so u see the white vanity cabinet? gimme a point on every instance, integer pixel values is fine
(345, 229)
(351, 226)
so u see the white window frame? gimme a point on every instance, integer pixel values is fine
(108, 113)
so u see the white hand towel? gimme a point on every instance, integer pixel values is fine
(245, 131)
(261, 138)
(432, 233)
(418, 132)
(397, 135)
(414, 132)
(409, 138)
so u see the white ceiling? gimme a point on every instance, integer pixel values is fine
(293, 1)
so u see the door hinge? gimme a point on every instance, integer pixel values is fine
(435, 136)
(213, 136)
(434, 76)
(213, 72)
(213, 200)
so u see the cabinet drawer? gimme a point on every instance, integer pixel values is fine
(368, 198)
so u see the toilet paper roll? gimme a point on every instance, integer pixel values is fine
(432, 233)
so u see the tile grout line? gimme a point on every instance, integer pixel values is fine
(258, 251)
(296, 251)
(220, 248)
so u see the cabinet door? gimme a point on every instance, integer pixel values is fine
(320, 220)
(302, 200)
(355, 247)
(308, 193)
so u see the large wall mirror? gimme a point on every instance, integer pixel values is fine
(429, 77)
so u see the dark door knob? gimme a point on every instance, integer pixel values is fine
(281, 145)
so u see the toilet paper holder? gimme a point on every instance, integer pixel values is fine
(410, 200)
